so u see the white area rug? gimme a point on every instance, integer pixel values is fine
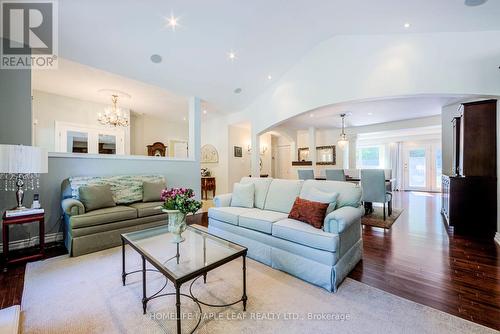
(85, 295)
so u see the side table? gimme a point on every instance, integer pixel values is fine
(207, 184)
(8, 221)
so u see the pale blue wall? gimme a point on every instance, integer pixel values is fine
(177, 173)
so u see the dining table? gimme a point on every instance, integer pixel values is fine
(353, 179)
(368, 206)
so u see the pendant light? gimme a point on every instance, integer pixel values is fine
(343, 142)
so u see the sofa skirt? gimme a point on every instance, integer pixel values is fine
(90, 243)
(265, 250)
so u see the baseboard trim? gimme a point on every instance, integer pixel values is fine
(497, 238)
(25, 243)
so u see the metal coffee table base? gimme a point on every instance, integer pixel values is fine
(178, 284)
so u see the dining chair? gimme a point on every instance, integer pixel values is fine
(306, 174)
(374, 189)
(335, 174)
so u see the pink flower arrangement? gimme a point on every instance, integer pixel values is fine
(172, 193)
(181, 199)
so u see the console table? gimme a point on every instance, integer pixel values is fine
(8, 221)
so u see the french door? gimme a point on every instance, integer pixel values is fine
(422, 166)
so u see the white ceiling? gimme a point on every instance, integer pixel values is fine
(372, 112)
(84, 83)
(267, 36)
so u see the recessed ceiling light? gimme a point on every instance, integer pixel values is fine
(237, 90)
(370, 113)
(407, 25)
(269, 77)
(311, 115)
(156, 58)
(204, 111)
(231, 55)
(474, 3)
(172, 22)
(184, 118)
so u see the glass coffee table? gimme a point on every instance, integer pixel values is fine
(200, 253)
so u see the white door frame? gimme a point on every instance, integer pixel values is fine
(430, 147)
(171, 148)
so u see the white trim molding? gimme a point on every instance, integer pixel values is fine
(497, 238)
(33, 241)
(113, 156)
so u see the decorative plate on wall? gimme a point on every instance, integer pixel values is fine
(209, 154)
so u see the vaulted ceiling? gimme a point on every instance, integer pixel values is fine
(267, 37)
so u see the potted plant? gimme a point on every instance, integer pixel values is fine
(178, 202)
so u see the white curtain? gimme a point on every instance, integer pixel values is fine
(397, 165)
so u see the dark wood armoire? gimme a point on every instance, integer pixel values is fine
(470, 193)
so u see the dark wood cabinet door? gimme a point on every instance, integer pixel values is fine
(478, 139)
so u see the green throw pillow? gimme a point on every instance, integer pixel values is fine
(151, 191)
(96, 197)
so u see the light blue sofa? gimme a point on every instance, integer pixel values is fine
(321, 257)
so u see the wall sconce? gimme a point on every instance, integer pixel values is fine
(263, 149)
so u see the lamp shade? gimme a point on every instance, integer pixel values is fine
(19, 159)
(343, 143)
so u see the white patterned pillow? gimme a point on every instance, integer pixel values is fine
(125, 188)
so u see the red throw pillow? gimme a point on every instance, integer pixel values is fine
(312, 213)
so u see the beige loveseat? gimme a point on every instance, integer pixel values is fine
(87, 232)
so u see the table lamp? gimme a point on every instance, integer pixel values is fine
(20, 169)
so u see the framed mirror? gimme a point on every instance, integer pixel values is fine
(325, 155)
(303, 154)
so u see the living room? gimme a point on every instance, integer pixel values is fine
(348, 167)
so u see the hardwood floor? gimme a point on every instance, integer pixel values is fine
(12, 281)
(416, 259)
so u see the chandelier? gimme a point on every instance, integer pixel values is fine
(343, 141)
(113, 115)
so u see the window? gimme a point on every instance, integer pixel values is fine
(370, 157)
